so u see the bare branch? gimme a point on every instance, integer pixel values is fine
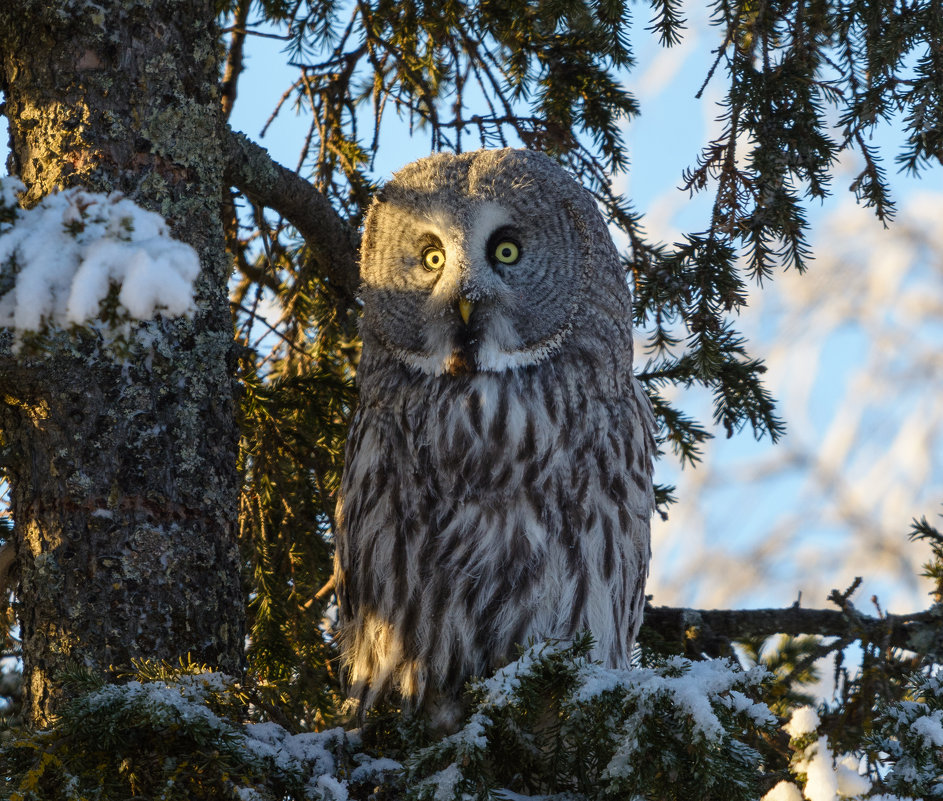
(234, 63)
(332, 241)
(715, 629)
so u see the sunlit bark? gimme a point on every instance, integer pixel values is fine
(122, 467)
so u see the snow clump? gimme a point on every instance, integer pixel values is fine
(804, 721)
(60, 260)
(827, 777)
(930, 728)
(784, 791)
(828, 780)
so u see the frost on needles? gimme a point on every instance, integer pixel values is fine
(85, 258)
(555, 724)
(551, 726)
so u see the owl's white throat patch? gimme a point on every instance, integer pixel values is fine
(501, 347)
(493, 359)
(491, 345)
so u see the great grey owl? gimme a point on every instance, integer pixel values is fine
(497, 485)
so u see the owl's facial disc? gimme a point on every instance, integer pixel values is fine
(473, 262)
(502, 251)
(473, 317)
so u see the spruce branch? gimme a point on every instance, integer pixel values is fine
(331, 240)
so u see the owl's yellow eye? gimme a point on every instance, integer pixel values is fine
(433, 258)
(507, 252)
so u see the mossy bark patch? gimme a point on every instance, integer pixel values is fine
(123, 466)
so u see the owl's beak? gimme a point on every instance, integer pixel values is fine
(465, 308)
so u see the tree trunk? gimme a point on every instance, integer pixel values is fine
(123, 469)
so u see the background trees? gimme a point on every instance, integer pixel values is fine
(132, 104)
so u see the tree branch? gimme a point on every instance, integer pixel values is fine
(6, 356)
(234, 64)
(715, 629)
(333, 243)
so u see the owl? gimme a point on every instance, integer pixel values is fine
(497, 486)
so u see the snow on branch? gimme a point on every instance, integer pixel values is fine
(331, 240)
(826, 775)
(84, 258)
(554, 724)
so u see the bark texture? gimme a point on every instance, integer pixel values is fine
(713, 631)
(123, 468)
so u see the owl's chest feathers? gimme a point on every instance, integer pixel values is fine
(479, 432)
(501, 440)
(489, 425)
(498, 489)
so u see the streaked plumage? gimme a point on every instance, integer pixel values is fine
(498, 473)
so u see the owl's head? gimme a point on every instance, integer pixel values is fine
(485, 261)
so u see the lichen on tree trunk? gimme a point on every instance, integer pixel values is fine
(123, 469)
